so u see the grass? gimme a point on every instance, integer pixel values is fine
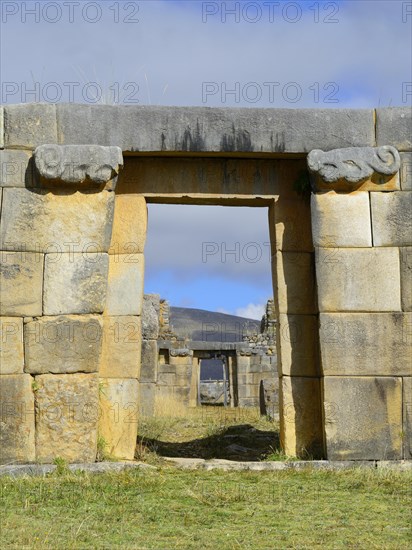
(208, 432)
(168, 509)
(164, 508)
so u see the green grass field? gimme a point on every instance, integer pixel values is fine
(167, 508)
(164, 508)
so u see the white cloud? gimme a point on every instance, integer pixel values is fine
(232, 243)
(252, 311)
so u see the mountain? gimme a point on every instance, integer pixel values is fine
(210, 326)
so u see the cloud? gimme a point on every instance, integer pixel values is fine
(213, 241)
(173, 46)
(252, 311)
(213, 257)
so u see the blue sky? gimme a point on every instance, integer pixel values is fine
(254, 54)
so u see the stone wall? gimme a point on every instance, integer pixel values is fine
(362, 238)
(71, 251)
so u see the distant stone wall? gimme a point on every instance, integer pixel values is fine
(170, 365)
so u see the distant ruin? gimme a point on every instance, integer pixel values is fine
(336, 185)
(171, 364)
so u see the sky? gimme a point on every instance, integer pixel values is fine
(236, 54)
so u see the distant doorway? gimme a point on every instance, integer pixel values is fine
(214, 385)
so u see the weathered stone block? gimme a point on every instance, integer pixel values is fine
(21, 283)
(200, 178)
(1, 127)
(158, 128)
(129, 225)
(119, 416)
(295, 288)
(58, 222)
(76, 283)
(148, 369)
(74, 165)
(341, 220)
(63, 345)
(17, 419)
(121, 347)
(348, 168)
(299, 345)
(290, 224)
(150, 316)
(407, 417)
(166, 379)
(358, 279)
(11, 345)
(406, 171)
(300, 416)
(149, 397)
(394, 127)
(359, 344)
(363, 418)
(391, 218)
(16, 169)
(180, 357)
(242, 364)
(29, 125)
(125, 284)
(406, 277)
(67, 412)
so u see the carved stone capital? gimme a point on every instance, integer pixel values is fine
(348, 169)
(78, 165)
(180, 352)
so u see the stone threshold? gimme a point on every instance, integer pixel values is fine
(19, 470)
(231, 465)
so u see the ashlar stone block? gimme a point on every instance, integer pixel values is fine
(159, 128)
(125, 284)
(406, 171)
(406, 277)
(63, 344)
(119, 416)
(11, 345)
(363, 417)
(394, 127)
(148, 370)
(121, 347)
(17, 419)
(407, 417)
(391, 218)
(1, 127)
(358, 279)
(28, 125)
(299, 345)
(66, 416)
(300, 416)
(21, 283)
(153, 398)
(129, 225)
(290, 224)
(16, 169)
(295, 289)
(341, 220)
(56, 222)
(76, 283)
(372, 344)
